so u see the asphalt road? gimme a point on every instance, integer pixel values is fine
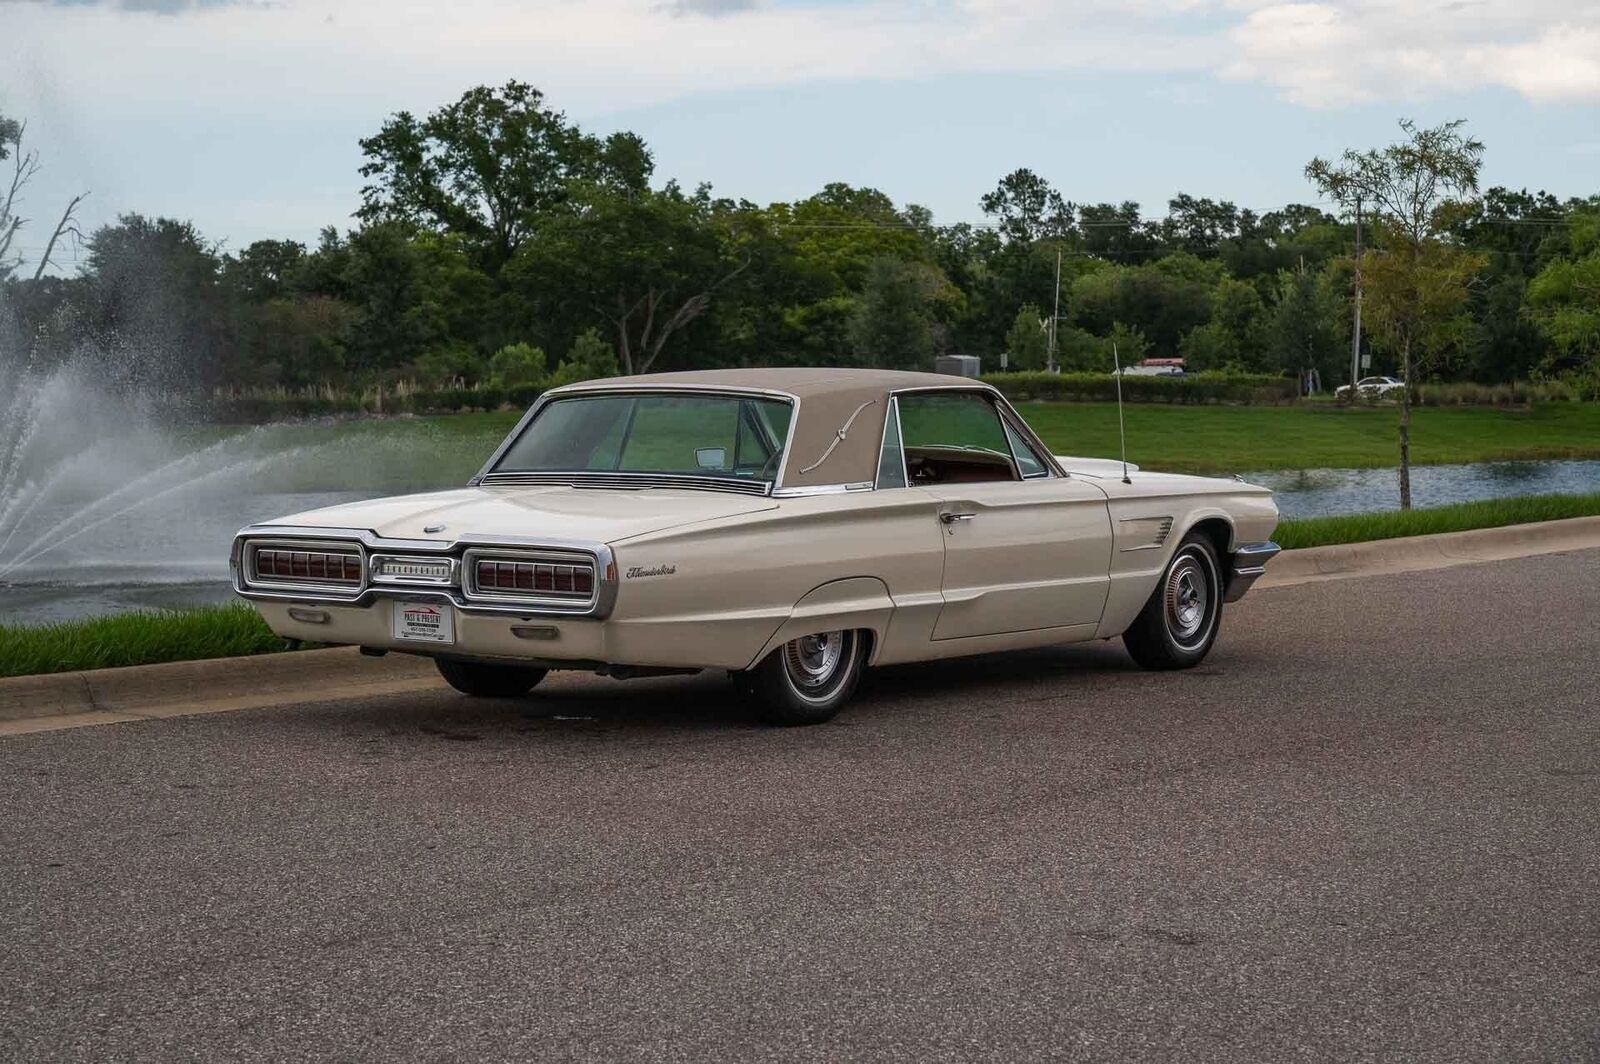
(1368, 828)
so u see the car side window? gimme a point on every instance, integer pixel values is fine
(954, 438)
(1028, 460)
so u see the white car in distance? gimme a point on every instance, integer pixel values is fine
(1372, 388)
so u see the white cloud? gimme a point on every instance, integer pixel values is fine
(1335, 52)
(1562, 64)
(348, 57)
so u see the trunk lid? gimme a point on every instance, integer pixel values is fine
(555, 511)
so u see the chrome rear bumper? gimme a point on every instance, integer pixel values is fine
(1249, 562)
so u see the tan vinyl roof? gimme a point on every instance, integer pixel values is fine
(829, 400)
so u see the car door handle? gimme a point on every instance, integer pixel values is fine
(951, 519)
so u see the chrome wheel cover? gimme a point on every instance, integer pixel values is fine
(1188, 599)
(816, 664)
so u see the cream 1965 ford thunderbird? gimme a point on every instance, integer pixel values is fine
(792, 526)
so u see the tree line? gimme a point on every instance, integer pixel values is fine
(498, 242)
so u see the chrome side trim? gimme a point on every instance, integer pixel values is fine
(1249, 563)
(370, 543)
(820, 489)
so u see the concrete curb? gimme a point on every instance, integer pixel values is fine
(1414, 553)
(184, 688)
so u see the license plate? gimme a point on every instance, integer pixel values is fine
(428, 622)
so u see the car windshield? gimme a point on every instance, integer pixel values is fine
(715, 436)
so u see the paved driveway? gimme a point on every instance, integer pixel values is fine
(1368, 828)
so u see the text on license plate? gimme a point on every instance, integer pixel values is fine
(428, 621)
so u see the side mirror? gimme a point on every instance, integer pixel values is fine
(711, 457)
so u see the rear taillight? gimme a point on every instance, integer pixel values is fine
(281, 564)
(559, 579)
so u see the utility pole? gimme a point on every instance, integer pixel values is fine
(1355, 334)
(1055, 315)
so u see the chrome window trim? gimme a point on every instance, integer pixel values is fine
(572, 391)
(369, 543)
(473, 593)
(244, 566)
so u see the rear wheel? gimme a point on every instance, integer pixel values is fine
(807, 680)
(489, 681)
(1179, 623)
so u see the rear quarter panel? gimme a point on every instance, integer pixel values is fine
(717, 594)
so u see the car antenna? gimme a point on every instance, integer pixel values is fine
(1122, 432)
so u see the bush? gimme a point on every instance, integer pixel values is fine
(517, 365)
(1517, 393)
(1102, 388)
(590, 359)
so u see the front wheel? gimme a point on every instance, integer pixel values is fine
(807, 680)
(489, 681)
(1179, 623)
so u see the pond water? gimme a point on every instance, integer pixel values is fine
(1324, 492)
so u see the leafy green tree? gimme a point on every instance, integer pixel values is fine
(417, 292)
(153, 292)
(492, 167)
(647, 263)
(1199, 226)
(1028, 208)
(1116, 232)
(295, 341)
(266, 269)
(1130, 344)
(1564, 298)
(1307, 329)
(1082, 351)
(894, 326)
(1028, 340)
(1163, 299)
(1238, 311)
(1519, 233)
(1210, 347)
(1417, 283)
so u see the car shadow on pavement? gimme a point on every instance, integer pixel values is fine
(583, 704)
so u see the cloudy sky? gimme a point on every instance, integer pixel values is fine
(243, 115)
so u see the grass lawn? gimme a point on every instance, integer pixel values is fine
(143, 638)
(1490, 513)
(1236, 439)
(1181, 439)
